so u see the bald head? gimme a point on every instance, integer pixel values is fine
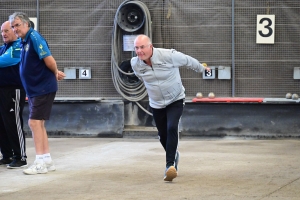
(142, 39)
(7, 33)
(143, 47)
(5, 23)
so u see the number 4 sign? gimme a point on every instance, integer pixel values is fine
(85, 73)
(265, 29)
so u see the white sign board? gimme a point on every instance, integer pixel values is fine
(265, 29)
(34, 20)
(128, 42)
(84, 73)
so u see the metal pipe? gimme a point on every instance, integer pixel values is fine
(232, 51)
(37, 15)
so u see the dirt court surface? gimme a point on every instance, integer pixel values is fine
(218, 169)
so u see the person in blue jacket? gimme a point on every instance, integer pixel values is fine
(158, 68)
(39, 75)
(12, 100)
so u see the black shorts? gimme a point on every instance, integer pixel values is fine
(40, 106)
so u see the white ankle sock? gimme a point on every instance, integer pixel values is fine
(39, 159)
(47, 158)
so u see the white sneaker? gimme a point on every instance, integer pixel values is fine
(50, 166)
(170, 173)
(36, 168)
(177, 157)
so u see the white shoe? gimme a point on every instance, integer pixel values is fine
(36, 168)
(170, 173)
(177, 157)
(50, 166)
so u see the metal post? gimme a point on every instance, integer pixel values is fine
(233, 50)
(37, 15)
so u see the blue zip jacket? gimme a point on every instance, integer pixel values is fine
(9, 64)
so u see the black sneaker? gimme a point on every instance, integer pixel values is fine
(5, 161)
(17, 164)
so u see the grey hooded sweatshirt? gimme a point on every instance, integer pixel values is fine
(162, 80)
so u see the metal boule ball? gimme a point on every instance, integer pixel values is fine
(199, 95)
(288, 95)
(211, 95)
(295, 97)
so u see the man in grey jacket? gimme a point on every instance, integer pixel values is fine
(159, 70)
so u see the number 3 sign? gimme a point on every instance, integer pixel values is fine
(265, 29)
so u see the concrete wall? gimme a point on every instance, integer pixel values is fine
(118, 118)
(241, 119)
(85, 118)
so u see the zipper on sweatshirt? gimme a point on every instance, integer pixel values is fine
(162, 96)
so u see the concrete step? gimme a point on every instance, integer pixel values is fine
(139, 131)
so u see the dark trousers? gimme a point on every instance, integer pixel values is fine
(167, 121)
(12, 137)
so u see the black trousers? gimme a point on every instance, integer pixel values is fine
(167, 122)
(12, 137)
